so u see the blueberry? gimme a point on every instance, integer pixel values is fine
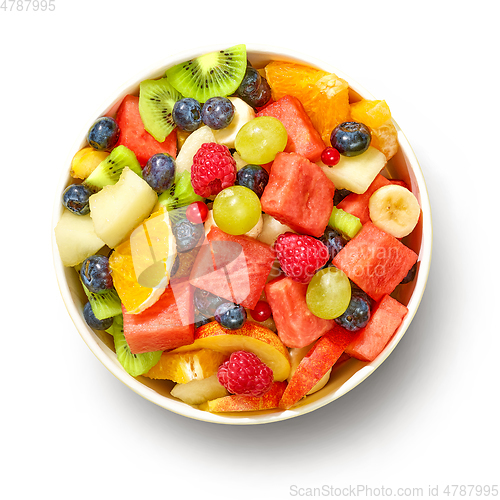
(250, 83)
(351, 138)
(104, 134)
(253, 177)
(410, 276)
(207, 302)
(159, 172)
(92, 321)
(358, 312)
(334, 241)
(95, 273)
(254, 89)
(261, 97)
(231, 316)
(187, 114)
(76, 199)
(217, 112)
(187, 234)
(339, 195)
(200, 321)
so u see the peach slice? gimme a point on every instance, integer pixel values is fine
(250, 337)
(234, 402)
(297, 354)
(316, 364)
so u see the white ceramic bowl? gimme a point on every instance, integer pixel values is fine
(404, 166)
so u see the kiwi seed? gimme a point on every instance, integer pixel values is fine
(180, 194)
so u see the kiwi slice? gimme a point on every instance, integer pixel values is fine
(180, 194)
(216, 74)
(134, 364)
(156, 101)
(109, 170)
(105, 304)
(346, 223)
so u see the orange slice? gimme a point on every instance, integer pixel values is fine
(385, 139)
(327, 104)
(377, 116)
(182, 367)
(290, 78)
(325, 96)
(141, 265)
(372, 113)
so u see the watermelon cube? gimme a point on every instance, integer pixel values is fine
(298, 194)
(375, 261)
(357, 204)
(134, 136)
(233, 267)
(297, 326)
(303, 138)
(167, 324)
(399, 182)
(384, 322)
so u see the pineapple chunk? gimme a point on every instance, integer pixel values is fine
(197, 392)
(356, 173)
(117, 209)
(76, 238)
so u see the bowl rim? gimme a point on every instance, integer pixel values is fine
(101, 351)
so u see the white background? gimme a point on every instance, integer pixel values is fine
(428, 416)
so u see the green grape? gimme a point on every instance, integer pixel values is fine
(236, 210)
(328, 293)
(261, 139)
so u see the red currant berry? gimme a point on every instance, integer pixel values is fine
(261, 312)
(330, 157)
(197, 212)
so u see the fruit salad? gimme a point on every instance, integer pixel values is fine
(237, 232)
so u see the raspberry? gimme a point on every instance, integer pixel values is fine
(245, 374)
(213, 170)
(300, 256)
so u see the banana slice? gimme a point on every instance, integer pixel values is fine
(192, 143)
(243, 113)
(394, 209)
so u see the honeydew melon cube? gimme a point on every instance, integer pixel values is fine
(356, 173)
(76, 238)
(118, 209)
